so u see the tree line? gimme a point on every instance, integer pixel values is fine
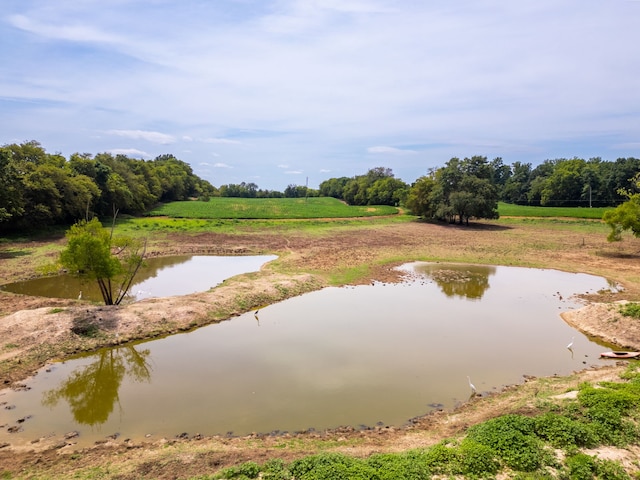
(471, 187)
(40, 189)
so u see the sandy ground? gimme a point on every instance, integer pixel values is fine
(34, 331)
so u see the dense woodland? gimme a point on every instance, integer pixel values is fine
(40, 189)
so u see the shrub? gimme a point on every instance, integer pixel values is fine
(331, 466)
(475, 459)
(512, 437)
(630, 310)
(439, 459)
(563, 432)
(408, 466)
(581, 467)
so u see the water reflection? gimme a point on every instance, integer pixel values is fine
(92, 391)
(197, 273)
(464, 281)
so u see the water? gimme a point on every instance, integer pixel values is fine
(366, 355)
(158, 278)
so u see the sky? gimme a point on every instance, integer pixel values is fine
(282, 92)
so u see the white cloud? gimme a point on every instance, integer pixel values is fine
(221, 165)
(154, 137)
(391, 150)
(225, 141)
(293, 172)
(77, 33)
(130, 152)
(329, 83)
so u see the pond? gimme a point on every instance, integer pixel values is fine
(158, 278)
(370, 355)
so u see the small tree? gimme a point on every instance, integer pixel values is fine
(93, 253)
(625, 216)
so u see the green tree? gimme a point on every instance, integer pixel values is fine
(11, 188)
(420, 198)
(625, 216)
(93, 253)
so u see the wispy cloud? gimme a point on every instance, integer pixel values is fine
(334, 83)
(130, 152)
(221, 165)
(71, 32)
(391, 150)
(154, 137)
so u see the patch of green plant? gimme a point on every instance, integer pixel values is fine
(244, 471)
(585, 467)
(56, 310)
(10, 346)
(563, 432)
(326, 466)
(390, 466)
(513, 439)
(631, 309)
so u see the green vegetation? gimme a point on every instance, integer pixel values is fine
(512, 210)
(38, 189)
(545, 445)
(268, 208)
(631, 310)
(95, 254)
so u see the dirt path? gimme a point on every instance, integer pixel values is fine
(34, 330)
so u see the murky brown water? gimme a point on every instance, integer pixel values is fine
(340, 356)
(158, 278)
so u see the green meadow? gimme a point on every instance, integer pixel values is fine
(269, 208)
(512, 210)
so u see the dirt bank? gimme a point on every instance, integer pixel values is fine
(34, 330)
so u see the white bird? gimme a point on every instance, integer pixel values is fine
(471, 385)
(571, 343)
(80, 295)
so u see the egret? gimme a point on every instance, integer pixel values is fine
(80, 295)
(471, 385)
(571, 343)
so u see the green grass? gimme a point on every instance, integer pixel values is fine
(268, 208)
(511, 210)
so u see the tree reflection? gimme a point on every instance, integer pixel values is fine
(93, 391)
(467, 282)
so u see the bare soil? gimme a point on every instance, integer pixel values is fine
(34, 331)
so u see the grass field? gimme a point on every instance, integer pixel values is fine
(511, 210)
(269, 208)
(327, 207)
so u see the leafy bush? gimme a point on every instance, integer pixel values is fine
(331, 466)
(439, 458)
(408, 466)
(563, 432)
(630, 310)
(581, 467)
(607, 406)
(513, 439)
(475, 459)
(242, 472)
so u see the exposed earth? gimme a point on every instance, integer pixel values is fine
(34, 331)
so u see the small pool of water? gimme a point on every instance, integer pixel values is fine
(160, 277)
(365, 355)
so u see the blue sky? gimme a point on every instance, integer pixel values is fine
(278, 91)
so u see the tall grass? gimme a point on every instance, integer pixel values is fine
(269, 208)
